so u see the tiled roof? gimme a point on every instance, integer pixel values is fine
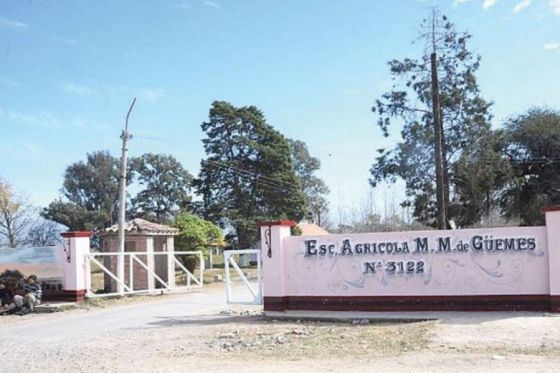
(310, 229)
(141, 226)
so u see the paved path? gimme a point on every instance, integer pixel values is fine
(121, 337)
(180, 332)
(87, 324)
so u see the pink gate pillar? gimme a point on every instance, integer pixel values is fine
(273, 234)
(552, 214)
(76, 265)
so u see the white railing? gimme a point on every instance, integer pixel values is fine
(146, 261)
(255, 292)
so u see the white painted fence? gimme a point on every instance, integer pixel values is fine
(136, 258)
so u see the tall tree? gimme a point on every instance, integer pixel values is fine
(43, 233)
(89, 194)
(464, 113)
(166, 187)
(15, 216)
(480, 175)
(248, 173)
(533, 147)
(312, 187)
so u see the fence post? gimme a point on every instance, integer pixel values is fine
(552, 216)
(150, 262)
(77, 273)
(170, 247)
(272, 237)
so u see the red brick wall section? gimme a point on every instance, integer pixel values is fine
(111, 244)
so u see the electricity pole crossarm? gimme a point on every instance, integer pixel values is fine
(125, 137)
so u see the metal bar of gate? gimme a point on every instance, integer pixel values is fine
(151, 272)
(91, 258)
(189, 274)
(229, 260)
(243, 278)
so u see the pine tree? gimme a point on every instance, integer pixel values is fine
(248, 173)
(465, 117)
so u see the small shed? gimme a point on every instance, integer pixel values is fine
(147, 242)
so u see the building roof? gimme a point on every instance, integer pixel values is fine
(310, 229)
(144, 227)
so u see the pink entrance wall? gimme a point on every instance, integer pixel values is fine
(468, 272)
(473, 269)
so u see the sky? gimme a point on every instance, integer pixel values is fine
(69, 71)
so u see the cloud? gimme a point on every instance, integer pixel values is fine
(8, 82)
(6, 149)
(78, 89)
(210, 3)
(552, 46)
(149, 94)
(65, 41)
(143, 93)
(88, 124)
(189, 4)
(35, 153)
(459, 2)
(43, 118)
(555, 5)
(522, 5)
(182, 5)
(10, 23)
(488, 3)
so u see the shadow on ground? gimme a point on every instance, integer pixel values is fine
(202, 320)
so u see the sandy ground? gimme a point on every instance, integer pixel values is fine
(196, 332)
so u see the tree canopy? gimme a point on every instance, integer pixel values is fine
(15, 216)
(165, 187)
(43, 233)
(531, 142)
(196, 233)
(89, 194)
(465, 116)
(248, 173)
(313, 188)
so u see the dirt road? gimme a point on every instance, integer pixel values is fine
(195, 332)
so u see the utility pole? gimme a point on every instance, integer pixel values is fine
(438, 131)
(125, 136)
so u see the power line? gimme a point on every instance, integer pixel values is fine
(165, 140)
(547, 161)
(264, 180)
(257, 178)
(261, 176)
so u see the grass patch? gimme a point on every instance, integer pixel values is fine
(288, 340)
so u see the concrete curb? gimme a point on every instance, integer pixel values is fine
(55, 307)
(365, 317)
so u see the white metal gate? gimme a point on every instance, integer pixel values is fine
(145, 261)
(251, 293)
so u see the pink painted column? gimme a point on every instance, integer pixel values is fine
(76, 267)
(273, 234)
(552, 214)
